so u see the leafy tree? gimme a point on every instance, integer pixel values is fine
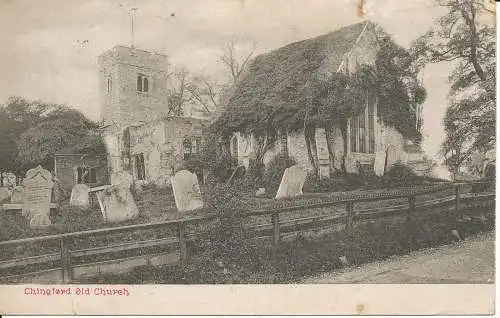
(9, 130)
(60, 128)
(466, 36)
(16, 116)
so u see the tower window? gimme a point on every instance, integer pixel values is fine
(142, 83)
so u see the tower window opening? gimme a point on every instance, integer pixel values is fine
(142, 84)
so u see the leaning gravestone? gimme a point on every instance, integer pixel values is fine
(17, 195)
(186, 190)
(117, 202)
(393, 156)
(80, 196)
(379, 164)
(291, 183)
(37, 196)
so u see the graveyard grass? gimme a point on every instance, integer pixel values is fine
(229, 258)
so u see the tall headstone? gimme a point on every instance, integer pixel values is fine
(80, 196)
(379, 164)
(292, 182)
(186, 190)
(17, 194)
(37, 195)
(393, 156)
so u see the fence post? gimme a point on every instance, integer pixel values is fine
(349, 207)
(182, 243)
(457, 198)
(275, 218)
(411, 209)
(67, 274)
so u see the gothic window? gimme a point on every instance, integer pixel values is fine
(187, 145)
(82, 175)
(371, 122)
(197, 145)
(85, 175)
(284, 142)
(140, 168)
(92, 175)
(362, 128)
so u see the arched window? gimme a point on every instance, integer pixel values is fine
(142, 83)
(188, 148)
(362, 127)
(139, 83)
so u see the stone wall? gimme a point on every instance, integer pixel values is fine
(384, 136)
(65, 169)
(161, 144)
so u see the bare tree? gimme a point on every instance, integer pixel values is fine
(236, 58)
(205, 91)
(178, 95)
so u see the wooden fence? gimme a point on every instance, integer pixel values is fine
(173, 249)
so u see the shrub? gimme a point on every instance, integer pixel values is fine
(274, 172)
(228, 247)
(314, 184)
(401, 175)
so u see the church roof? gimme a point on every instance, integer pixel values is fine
(272, 75)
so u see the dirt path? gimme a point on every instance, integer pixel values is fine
(469, 261)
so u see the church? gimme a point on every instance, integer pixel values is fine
(140, 135)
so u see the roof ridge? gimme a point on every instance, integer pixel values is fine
(354, 45)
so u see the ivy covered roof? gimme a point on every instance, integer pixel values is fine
(271, 77)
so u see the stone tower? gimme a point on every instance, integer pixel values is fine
(133, 86)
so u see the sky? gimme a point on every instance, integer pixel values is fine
(50, 47)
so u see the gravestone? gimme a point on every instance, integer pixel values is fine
(352, 165)
(238, 173)
(37, 195)
(4, 194)
(489, 171)
(186, 190)
(118, 204)
(291, 183)
(379, 164)
(80, 196)
(122, 178)
(393, 156)
(17, 195)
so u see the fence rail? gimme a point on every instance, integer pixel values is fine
(175, 249)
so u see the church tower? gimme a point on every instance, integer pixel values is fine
(133, 86)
